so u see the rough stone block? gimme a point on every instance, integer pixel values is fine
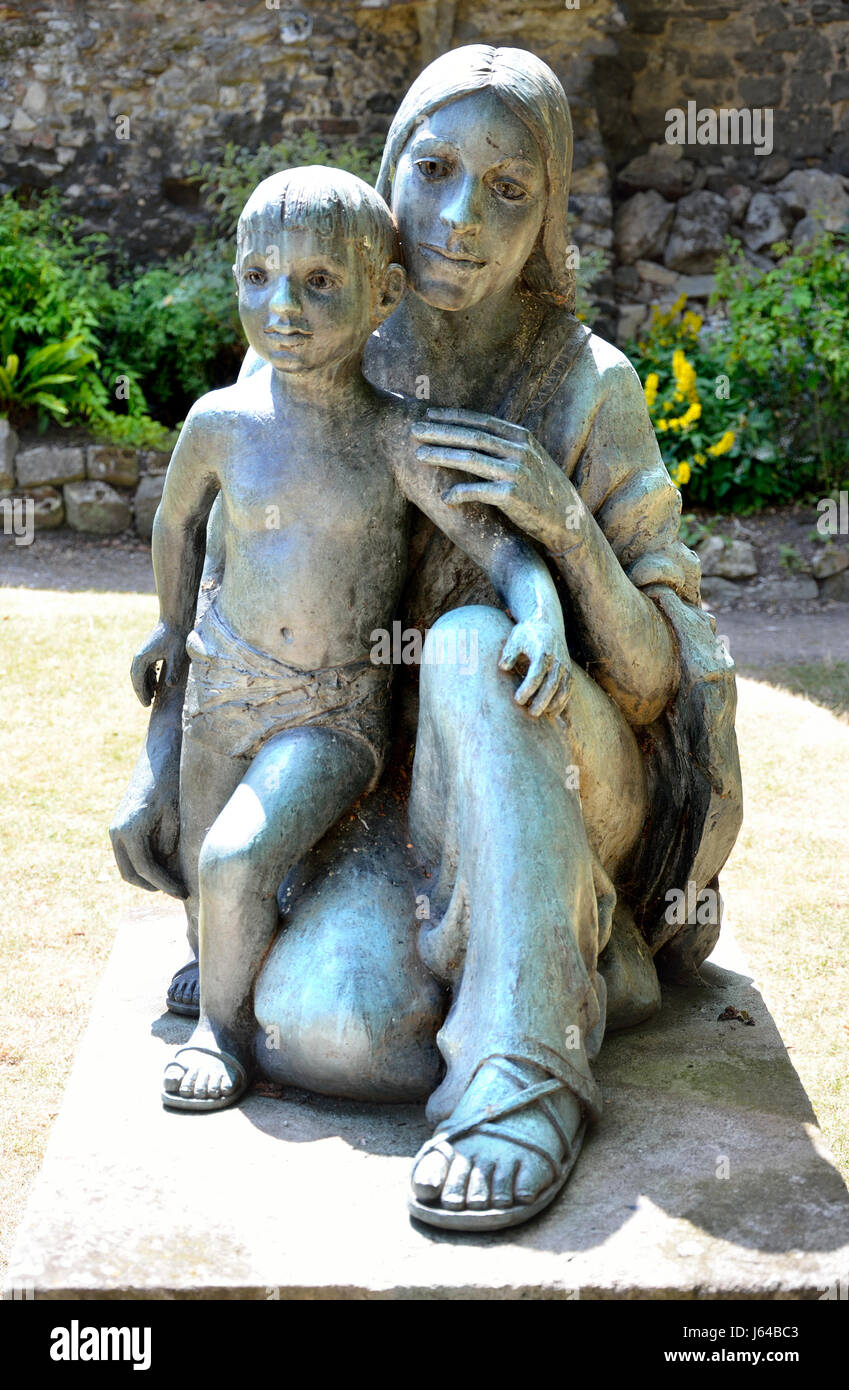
(836, 587)
(107, 464)
(49, 507)
(129, 1200)
(727, 559)
(795, 589)
(96, 507)
(719, 592)
(698, 233)
(50, 465)
(767, 221)
(146, 501)
(642, 226)
(8, 449)
(831, 560)
(154, 460)
(671, 177)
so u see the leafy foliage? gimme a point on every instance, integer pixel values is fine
(766, 389)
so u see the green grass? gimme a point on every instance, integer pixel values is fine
(68, 739)
(70, 731)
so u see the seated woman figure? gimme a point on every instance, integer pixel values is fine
(545, 855)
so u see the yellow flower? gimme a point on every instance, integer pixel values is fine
(685, 374)
(722, 445)
(667, 406)
(691, 415)
(652, 383)
(683, 474)
(691, 324)
(663, 424)
(699, 458)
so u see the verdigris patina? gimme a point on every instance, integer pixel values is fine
(465, 932)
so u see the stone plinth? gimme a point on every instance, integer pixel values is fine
(707, 1177)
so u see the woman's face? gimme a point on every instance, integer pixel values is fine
(469, 194)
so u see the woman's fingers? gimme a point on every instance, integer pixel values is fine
(547, 690)
(536, 672)
(466, 461)
(492, 494)
(561, 699)
(461, 437)
(474, 419)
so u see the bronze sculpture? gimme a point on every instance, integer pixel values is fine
(541, 853)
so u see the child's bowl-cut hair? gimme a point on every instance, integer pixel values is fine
(332, 203)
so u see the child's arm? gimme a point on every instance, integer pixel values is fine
(191, 485)
(518, 575)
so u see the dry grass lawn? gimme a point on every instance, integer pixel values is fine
(70, 733)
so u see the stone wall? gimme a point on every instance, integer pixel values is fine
(114, 101)
(99, 489)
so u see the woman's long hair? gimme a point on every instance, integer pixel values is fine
(534, 93)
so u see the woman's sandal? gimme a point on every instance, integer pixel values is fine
(485, 1122)
(175, 1005)
(174, 1101)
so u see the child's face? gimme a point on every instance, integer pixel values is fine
(305, 300)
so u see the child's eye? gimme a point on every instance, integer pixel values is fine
(432, 169)
(255, 277)
(510, 191)
(320, 280)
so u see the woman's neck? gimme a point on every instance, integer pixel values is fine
(470, 354)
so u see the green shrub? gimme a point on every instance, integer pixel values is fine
(752, 413)
(39, 383)
(226, 185)
(787, 343)
(56, 300)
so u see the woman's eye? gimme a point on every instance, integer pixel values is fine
(320, 280)
(432, 168)
(512, 192)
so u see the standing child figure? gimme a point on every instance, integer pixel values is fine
(286, 717)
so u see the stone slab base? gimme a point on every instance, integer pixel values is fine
(706, 1179)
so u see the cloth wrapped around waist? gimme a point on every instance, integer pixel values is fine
(238, 697)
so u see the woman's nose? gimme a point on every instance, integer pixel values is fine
(285, 298)
(462, 213)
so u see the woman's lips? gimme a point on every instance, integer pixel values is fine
(454, 257)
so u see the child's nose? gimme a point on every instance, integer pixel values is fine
(285, 298)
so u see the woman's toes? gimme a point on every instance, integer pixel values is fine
(502, 1183)
(429, 1175)
(479, 1190)
(530, 1181)
(187, 1085)
(456, 1184)
(173, 1078)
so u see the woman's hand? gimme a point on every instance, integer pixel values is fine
(166, 644)
(542, 643)
(513, 472)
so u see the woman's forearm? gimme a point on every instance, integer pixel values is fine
(630, 647)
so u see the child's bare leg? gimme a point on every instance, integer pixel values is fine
(207, 781)
(295, 789)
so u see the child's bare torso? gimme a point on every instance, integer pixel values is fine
(314, 524)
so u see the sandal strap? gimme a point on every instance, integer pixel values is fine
(509, 1068)
(491, 1113)
(220, 1055)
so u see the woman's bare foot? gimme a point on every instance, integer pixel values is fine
(510, 1142)
(203, 1075)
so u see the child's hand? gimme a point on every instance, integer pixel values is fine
(543, 643)
(166, 644)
